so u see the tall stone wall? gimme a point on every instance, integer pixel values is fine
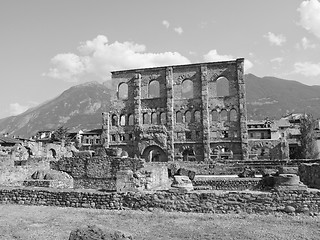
(166, 113)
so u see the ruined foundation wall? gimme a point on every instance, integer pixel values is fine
(95, 172)
(310, 174)
(206, 202)
(268, 149)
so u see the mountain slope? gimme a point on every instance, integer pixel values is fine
(80, 107)
(273, 97)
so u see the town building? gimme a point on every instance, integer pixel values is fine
(91, 139)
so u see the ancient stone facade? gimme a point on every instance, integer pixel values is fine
(194, 112)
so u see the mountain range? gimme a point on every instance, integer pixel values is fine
(81, 106)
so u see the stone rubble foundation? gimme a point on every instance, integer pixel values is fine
(196, 201)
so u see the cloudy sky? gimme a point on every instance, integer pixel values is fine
(49, 46)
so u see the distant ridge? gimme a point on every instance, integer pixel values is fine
(80, 107)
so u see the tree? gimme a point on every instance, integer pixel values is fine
(307, 139)
(61, 134)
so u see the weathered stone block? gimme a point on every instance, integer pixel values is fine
(182, 182)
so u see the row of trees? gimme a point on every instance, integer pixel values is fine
(61, 134)
(308, 139)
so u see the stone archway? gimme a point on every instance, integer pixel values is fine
(154, 153)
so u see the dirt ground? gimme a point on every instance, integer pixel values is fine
(39, 222)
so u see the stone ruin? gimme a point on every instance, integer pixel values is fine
(285, 179)
(49, 178)
(118, 172)
(181, 112)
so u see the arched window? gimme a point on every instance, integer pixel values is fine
(222, 87)
(163, 118)
(122, 120)
(154, 118)
(214, 115)
(187, 89)
(188, 116)
(233, 115)
(130, 119)
(178, 117)
(123, 91)
(146, 118)
(224, 115)
(154, 89)
(114, 120)
(197, 116)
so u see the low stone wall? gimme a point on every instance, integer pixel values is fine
(228, 183)
(197, 201)
(60, 184)
(229, 167)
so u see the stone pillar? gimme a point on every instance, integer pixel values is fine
(242, 108)
(137, 111)
(170, 113)
(137, 100)
(205, 113)
(105, 137)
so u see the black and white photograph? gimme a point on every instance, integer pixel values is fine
(144, 119)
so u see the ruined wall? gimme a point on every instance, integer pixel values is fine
(96, 172)
(310, 174)
(268, 149)
(236, 184)
(166, 113)
(206, 202)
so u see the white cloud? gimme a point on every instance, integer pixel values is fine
(99, 57)
(166, 23)
(213, 56)
(16, 108)
(306, 43)
(277, 59)
(307, 69)
(67, 66)
(178, 30)
(274, 39)
(310, 16)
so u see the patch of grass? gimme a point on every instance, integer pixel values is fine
(39, 222)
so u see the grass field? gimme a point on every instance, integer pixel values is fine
(39, 222)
